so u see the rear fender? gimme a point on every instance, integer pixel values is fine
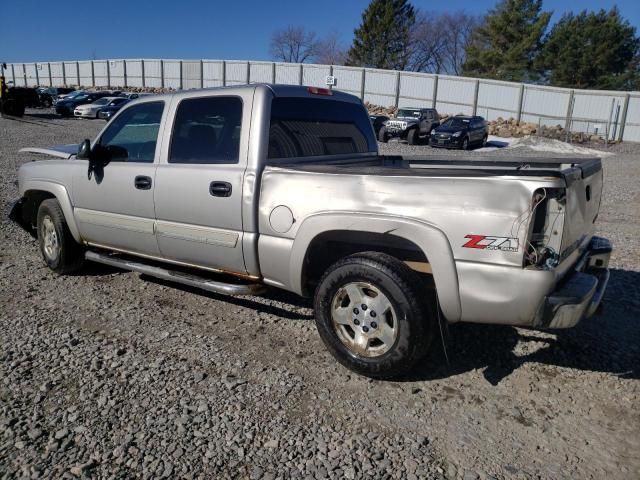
(431, 240)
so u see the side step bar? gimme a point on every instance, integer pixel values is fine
(176, 276)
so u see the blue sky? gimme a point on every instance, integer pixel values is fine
(40, 31)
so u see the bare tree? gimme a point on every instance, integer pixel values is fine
(457, 30)
(330, 51)
(427, 44)
(438, 42)
(293, 45)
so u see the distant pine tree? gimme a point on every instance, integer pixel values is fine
(592, 50)
(383, 38)
(505, 44)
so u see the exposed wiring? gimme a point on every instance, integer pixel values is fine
(551, 229)
(535, 253)
(528, 214)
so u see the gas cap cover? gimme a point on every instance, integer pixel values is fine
(281, 219)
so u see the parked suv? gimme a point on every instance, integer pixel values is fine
(410, 124)
(461, 131)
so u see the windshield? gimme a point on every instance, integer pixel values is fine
(456, 123)
(74, 94)
(101, 101)
(409, 113)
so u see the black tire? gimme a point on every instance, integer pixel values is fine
(484, 141)
(465, 144)
(382, 135)
(401, 287)
(47, 102)
(70, 255)
(13, 107)
(413, 136)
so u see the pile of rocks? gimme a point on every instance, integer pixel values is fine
(512, 128)
(137, 89)
(380, 110)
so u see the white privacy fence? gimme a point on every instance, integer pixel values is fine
(613, 114)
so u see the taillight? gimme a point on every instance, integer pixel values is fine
(319, 91)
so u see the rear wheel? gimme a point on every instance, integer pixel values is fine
(382, 135)
(46, 102)
(465, 144)
(484, 141)
(59, 249)
(371, 314)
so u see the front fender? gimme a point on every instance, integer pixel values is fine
(430, 239)
(61, 194)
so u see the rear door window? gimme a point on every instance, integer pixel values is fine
(207, 130)
(308, 127)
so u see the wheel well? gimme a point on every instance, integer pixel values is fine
(33, 199)
(328, 247)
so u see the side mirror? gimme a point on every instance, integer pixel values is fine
(84, 150)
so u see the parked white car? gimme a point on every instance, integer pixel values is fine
(91, 110)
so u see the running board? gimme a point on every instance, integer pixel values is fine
(176, 276)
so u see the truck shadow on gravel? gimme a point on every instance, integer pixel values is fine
(274, 302)
(608, 342)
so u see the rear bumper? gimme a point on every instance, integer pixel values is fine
(581, 291)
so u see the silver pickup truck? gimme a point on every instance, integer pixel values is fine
(234, 189)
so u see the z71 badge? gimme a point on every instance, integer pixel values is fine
(490, 242)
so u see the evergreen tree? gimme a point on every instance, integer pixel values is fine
(383, 38)
(592, 50)
(504, 45)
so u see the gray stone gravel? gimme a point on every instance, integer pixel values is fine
(110, 375)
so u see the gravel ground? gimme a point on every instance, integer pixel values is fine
(110, 375)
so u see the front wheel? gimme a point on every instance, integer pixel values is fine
(382, 135)
(59, 249)
(465, 144)
(372, 314)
